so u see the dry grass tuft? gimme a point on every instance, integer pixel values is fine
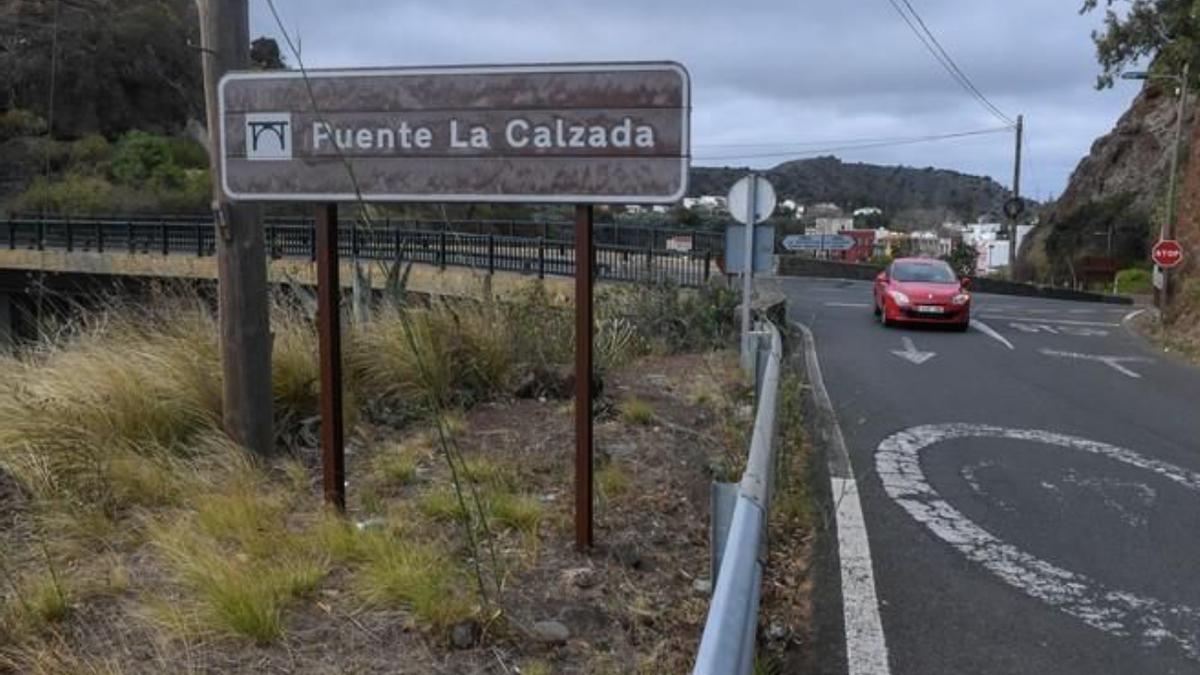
(419, 576)
(634, 410)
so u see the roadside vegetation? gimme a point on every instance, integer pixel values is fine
(132, 531)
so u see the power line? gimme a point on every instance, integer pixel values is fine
(931, 43)
(856, 145)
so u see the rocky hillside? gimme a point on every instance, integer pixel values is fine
(939, 193)
(1120, 184)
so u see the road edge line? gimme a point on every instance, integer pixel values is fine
(866, 646)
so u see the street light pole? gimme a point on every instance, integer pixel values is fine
(1168, 230)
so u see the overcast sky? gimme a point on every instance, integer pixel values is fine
(791, 75)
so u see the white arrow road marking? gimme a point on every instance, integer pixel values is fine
(1114, 611)
(1113, 362)
(990, 332)
(910, 353)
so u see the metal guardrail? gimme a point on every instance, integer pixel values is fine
(728, 644)
(393, 241)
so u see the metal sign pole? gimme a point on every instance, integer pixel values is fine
(583, 377)
(329, 335)
(748, 267)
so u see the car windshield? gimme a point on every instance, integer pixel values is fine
(927, 272)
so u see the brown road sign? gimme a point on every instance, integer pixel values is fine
(579, 133)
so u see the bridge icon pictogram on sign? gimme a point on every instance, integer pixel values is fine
(268, 136)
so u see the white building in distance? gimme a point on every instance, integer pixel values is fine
(833, 225)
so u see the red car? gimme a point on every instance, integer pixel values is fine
(921, 290)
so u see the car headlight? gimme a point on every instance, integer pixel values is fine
(900, 298)
(961, 299)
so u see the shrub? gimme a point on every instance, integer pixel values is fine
(1134, 280)
(90, 154)
(74, 193)
(20, 122)
(139, 155)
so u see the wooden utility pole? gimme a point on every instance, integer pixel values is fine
(241, 254)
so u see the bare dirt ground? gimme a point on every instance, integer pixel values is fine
(634, 604)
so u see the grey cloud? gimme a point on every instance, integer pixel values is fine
(776, 71)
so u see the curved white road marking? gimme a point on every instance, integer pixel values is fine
(1114, 611)
(991, 332)
(1132, 315)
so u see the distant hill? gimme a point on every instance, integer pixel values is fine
(894, 189)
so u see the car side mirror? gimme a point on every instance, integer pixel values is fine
(966, 282)
(882, 278)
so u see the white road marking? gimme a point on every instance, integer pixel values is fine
(866, 652)
(1132, 315)
(1078, 331)
(856, 305)
(1042, 319)
(1111, 610)
(1113, 362)
(990, 332)
(866, 646)
(912, 354)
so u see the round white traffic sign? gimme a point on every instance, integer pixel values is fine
(764, 199)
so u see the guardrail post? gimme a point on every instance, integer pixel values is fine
(442, 248)
(41, 234)
(162, 230)
(491, 254)
(70, 235)
(199, 239)
(542, 258)
(395, 239)
(354, 238)
(650, 264)
(312, 240)
(707, 264)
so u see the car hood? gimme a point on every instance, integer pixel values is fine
(918, 291)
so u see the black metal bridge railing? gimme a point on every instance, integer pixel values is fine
(393, 241)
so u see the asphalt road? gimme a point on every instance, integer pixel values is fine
(1033, 509)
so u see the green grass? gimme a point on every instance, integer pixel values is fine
(1134, 281)
(634, 410)
(612, 481)
(519, 512)
(419, 576)
(442, 504)
(234, 593)
(396, 465)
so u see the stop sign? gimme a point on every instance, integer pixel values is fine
(1167, 253)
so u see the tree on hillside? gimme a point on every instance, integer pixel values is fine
(1166, 31)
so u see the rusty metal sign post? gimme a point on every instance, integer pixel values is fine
(580, 134)
(329, 339)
